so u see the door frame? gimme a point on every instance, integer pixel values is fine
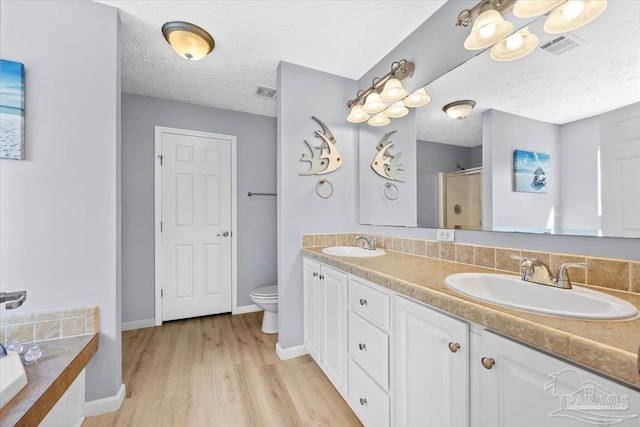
(157, 171)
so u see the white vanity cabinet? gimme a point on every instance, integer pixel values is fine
(430, 367)
(515, 385)
(325, 320)
(369, 314)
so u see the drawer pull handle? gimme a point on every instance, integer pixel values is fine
(488, 362)
(454, 347)
(363, 401)
(362, 346)
(363, 302)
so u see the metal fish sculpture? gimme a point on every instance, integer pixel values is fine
(324, 158)
(384, 163)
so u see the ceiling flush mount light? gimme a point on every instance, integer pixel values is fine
(418, 98)
(515, 46)
(573, 14)
(188, 40)
(386, 97)
(459, 109)
(490, 29)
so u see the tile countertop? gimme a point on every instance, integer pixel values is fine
(610, 347)
(63, 360)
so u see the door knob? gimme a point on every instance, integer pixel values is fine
(225, 234)
(362, 346)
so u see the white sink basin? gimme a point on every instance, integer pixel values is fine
(512, 292)
(12, 377)
(352, 251)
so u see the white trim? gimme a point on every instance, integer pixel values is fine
(138, 324)
(105, 405)
(79, 422)
(291, 352)
(251, 308)
(159, 130)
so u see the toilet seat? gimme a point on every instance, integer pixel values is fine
(265, 292)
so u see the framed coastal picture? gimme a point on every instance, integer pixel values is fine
(11, 110)
(530, 172)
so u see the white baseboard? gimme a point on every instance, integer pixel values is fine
(247, 309)
(105, 405)
(291, 352)
(138, 324)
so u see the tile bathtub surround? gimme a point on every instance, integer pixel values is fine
(607, 273)
(49, 324)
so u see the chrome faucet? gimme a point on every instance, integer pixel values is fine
(13, 299)
(369, 244)
(536, 271)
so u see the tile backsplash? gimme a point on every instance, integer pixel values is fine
(609, 273)
(49, 324)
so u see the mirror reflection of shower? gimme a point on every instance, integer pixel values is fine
(460, 199)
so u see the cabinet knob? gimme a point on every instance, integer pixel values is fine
(321, 277)
(363, 302)
(454, 347)
(362, 346)
(488, 362)
(363, 401)
(315, 274)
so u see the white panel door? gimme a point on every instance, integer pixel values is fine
(620, 157)
(431, 382)
(196, 225)
(311, 305)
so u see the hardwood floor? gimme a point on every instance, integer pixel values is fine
(220, 371)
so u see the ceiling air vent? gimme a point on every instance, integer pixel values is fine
(559, 45)
(266, 92)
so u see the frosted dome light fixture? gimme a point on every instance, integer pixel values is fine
(188, 40)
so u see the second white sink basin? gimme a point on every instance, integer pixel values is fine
(511, 291)
(12, 377)
(352, 251)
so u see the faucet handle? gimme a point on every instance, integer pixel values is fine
(372, 244)
(518, 257)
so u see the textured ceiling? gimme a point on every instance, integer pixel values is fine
(346, 38)
(599, 75)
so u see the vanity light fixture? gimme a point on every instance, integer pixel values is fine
(573, 14)
(382, 92)
(188, 40)
(490, 29)
(459, 109)
(379, 119)
(517, 45)
(418, 98)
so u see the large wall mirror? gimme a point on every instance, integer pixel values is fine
(553, 142)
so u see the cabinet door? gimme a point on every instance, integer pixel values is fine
(528, 388)
(311, 304)
(334, 326)
(431, 382)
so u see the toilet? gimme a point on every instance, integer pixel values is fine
(266, 297)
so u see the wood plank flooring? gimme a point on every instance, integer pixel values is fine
(220, 371)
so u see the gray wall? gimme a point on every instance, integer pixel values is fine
(302, 93)
(256, 230)
(59, 207)
(433, 158)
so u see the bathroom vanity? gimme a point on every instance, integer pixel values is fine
(402, 348)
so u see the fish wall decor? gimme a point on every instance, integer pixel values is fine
(324, 158)
(384, 163)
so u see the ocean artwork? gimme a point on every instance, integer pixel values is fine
(11, 110)
(530, 172)
(385, 164)
(325, 157)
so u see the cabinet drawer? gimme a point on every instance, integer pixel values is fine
(368, 401)
(371, 303)
(369, 348)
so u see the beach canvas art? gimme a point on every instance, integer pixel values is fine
(11, 110)
(530, 172)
